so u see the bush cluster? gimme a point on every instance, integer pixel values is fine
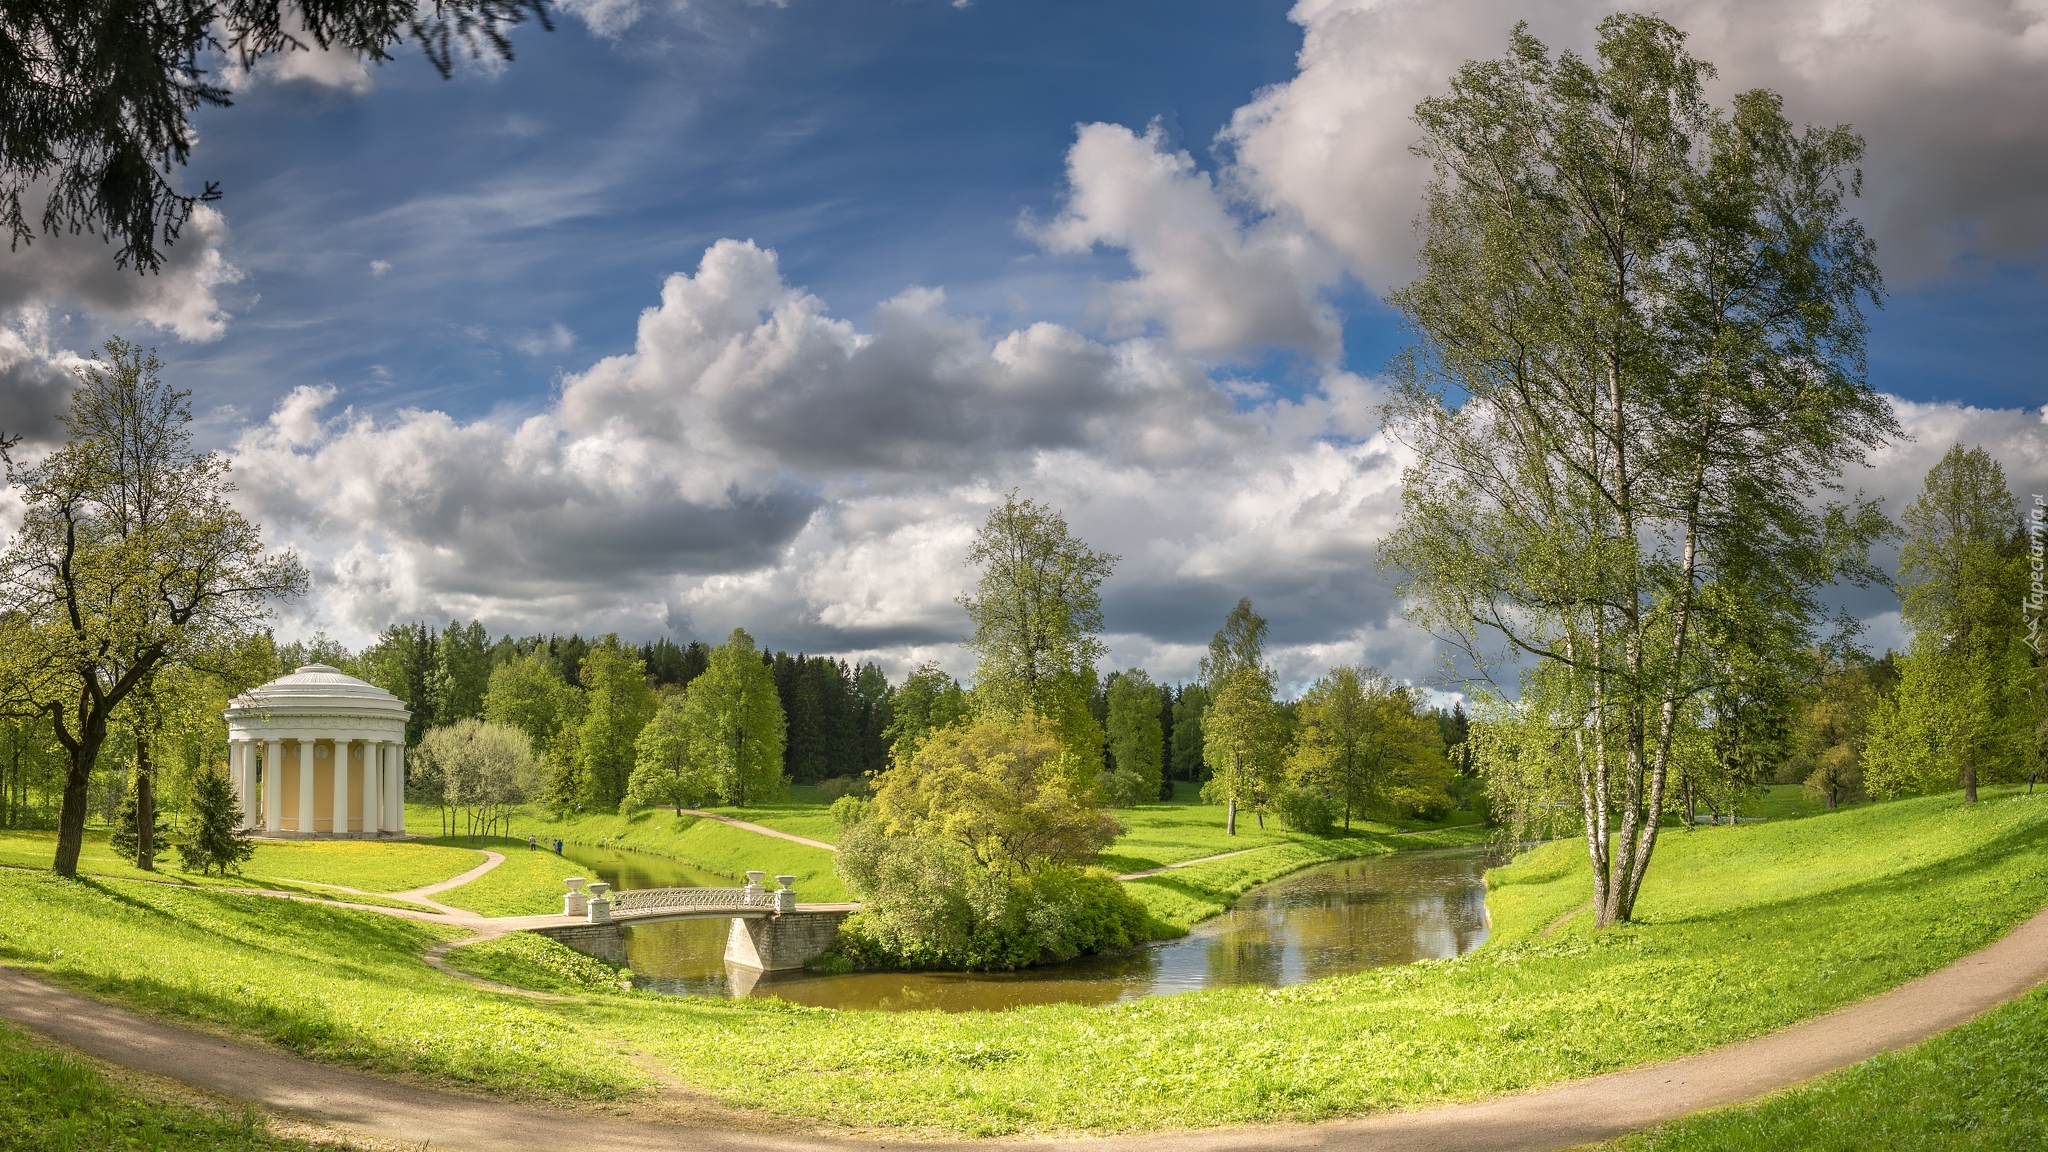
(930, 904)
(838, 786)
(1306, 811)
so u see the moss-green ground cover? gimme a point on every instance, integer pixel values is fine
(525, 960)
(1976, 1088)
(54, 1101)
(1743, 930)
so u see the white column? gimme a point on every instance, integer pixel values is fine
(340, 824)
(242, 767)
(305, 784)
(373, 795)
(273, 786)
(398, 787)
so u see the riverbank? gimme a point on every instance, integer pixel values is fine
(1742, 933)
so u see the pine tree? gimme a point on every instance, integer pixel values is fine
(216, 839)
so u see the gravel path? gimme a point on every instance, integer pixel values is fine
(1562, 1116)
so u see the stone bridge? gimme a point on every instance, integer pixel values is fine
(770, 931)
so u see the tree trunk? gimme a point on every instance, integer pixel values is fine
(71, 815)
(1969, 779)
(145, 808)
(1230, 818)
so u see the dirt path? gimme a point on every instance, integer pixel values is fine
(1562, 1116)
(763, 829)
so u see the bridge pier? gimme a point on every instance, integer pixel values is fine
(604, 941)
(783, 942)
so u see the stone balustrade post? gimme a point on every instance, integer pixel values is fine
(753, 892)
(785, 896)
(599, 909)
(574, 901)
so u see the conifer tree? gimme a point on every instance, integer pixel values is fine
(214, 839)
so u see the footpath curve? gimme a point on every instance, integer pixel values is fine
(1560, 1116)
(763, 829)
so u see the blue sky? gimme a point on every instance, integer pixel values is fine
(466, 345)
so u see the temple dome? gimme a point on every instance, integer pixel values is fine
(317, 689)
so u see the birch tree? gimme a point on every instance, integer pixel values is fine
(1640, 369)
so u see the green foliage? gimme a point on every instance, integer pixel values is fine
(618, 703)
(462, 672)
(1832, 726)
(1966, 708)
(1641, 362)
(838, 786)
(664, 770)
(480, 769)
(530, 694)
(1136, 741)
(1010, 793)
(525, 960)
(1304, 810)
(130, 557)
(931, 904)
(731, 726)
(54, 1101)
(928, 699)
(1036, 611)
(850, 810)
(214, 839)
(1188, 749)
(125, 835)
(1365, 741)
(1244, 742)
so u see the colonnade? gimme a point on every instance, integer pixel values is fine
(258, 769)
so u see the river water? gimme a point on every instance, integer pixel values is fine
(1323, 921)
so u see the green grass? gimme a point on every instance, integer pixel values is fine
(1975, 1088)
(700, 843)
(313, 868)
(525, 960)
(52, 1100)
(1187, 896)
(528, 883)
(338, 984)
(1742, 931)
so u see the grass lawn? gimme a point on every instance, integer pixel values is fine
(528, 883)
(1743, 930)
(312, 867)
(695, 841)
(54, 1101)
(1976, 1088)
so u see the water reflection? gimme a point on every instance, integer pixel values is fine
(1326, 921)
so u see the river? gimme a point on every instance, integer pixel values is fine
(1322, 921)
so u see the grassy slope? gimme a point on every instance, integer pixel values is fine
(312, 868)
(1744, 930)
(54, 1101)
(528, 883)
(1976, 1088)
(701, 843)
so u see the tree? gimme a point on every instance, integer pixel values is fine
(1242, 736)
(1965, 707)
(214, 839)
(1832, 726)
(484, 770)
(462, 672)
(529, 694)
(735, 723)
(929, 699)
(617, 704)
(1187, 743)
(130, 558)
(403, 662)
(1136, 742)
(1640, 363)
(1037, 610)
(98, 95)
(1007, 789)
(1363, 740)
(665, 770)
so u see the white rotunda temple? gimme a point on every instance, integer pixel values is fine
(319, 753)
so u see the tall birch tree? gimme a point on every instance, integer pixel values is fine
(1640, 369)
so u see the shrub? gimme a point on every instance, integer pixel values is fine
(1125, 789)
(831, 790)
(1306, 811)
(850, 810)
(931, 904)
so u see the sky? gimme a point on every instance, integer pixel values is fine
(725, 313)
